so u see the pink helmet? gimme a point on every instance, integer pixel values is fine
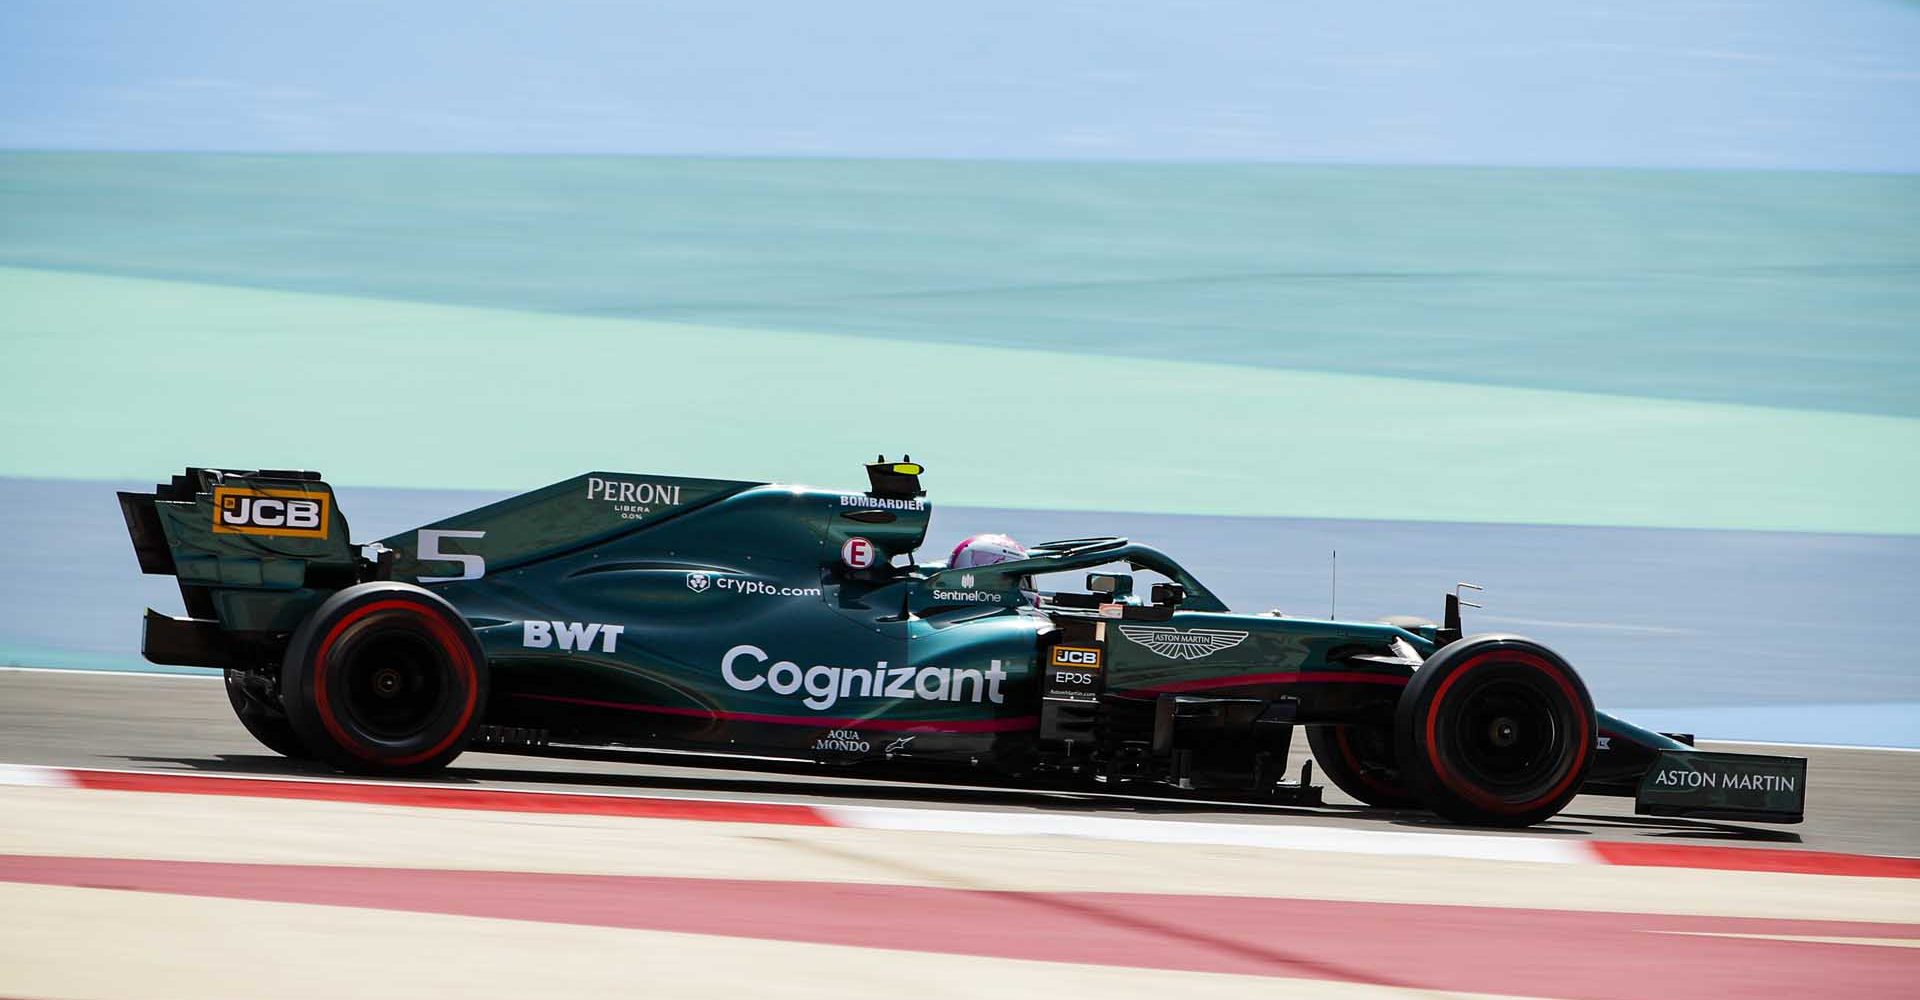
(985, 550)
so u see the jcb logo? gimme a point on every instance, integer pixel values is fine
(284, 513)
(570, 635)
(1076, 656)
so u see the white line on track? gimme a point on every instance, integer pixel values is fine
(32, 776)
(86, 672)
(1606, 626)
(1298, 838)
(1809, 746)
(1878, 942)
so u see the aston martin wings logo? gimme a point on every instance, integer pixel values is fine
(1193, 644)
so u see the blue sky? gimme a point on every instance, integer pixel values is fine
(1830, 84)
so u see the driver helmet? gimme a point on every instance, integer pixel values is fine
(985, 550)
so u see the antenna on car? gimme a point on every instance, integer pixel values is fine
(1333, 596)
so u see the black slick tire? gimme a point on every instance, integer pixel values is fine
(1359, 760)
(384, 678)
(1495, 730)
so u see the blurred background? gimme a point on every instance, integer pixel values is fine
(1613, 309)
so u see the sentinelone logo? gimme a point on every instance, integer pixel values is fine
(746, 669)
(241, 510)
(968, 595)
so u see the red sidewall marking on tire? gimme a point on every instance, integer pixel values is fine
(448, 639)
(1473, 794)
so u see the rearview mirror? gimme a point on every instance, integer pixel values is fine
(1114, 585)
(1168, 594)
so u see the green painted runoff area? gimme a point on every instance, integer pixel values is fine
(125, 377)
(1798, 290)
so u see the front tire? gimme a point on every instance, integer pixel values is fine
(385, 678)
(1495, 731)
(1360, 761)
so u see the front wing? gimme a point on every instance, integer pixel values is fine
(1668, 777)
(1739, 786)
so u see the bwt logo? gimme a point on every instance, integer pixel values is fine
(570, 635)
(285, 513)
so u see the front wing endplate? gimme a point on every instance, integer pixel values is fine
(1735, 786)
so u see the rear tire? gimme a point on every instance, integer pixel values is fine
(1495, 731)
(269, 727)
(385, 678)
(1360, 761)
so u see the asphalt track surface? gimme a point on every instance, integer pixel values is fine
(1859, 800)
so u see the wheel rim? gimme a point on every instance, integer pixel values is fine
(420, 711)
(393, 683)
(1506, 734)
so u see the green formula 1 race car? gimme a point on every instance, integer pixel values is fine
(792, 626)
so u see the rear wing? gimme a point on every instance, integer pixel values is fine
(254, 552)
